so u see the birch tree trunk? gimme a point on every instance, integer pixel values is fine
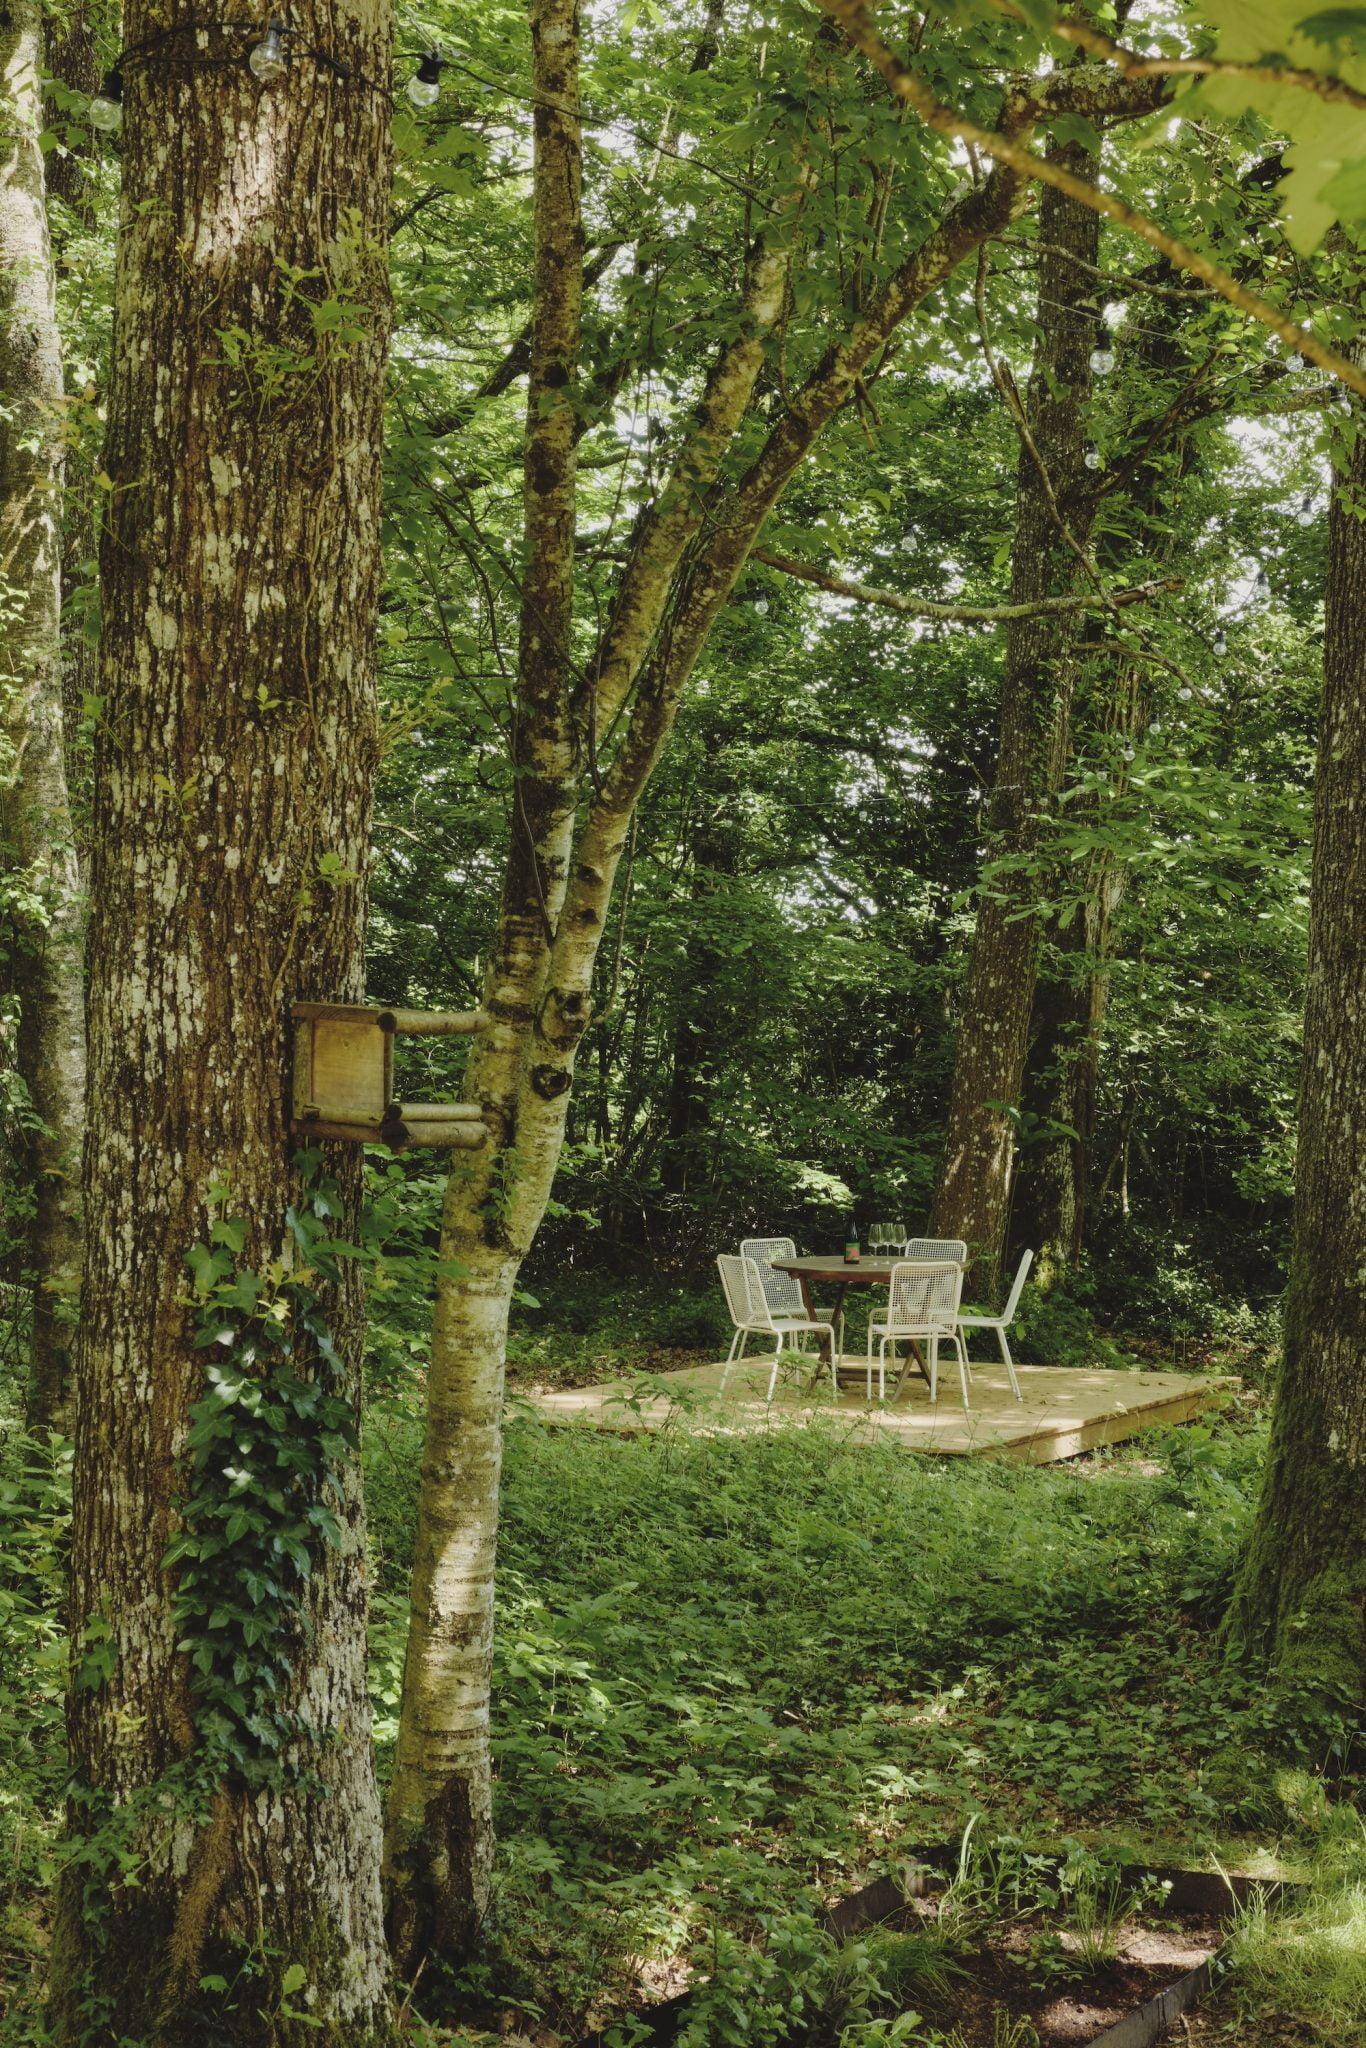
(438, 1844)
(439, 1825)
(42, 883)
(232, 799)
(1301, 1600)
(1052, 518)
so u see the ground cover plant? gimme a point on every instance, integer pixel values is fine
(736, 1678)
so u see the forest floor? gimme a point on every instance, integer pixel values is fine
(736, 1680)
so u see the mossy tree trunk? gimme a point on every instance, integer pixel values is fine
(232, 799)
(1052, 520)
(41, 882)
(1300, 1604)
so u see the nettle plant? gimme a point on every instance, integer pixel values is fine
(261, 1471)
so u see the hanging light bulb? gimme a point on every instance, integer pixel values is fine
(106, 109)
(761, 605)
(1185, 693)
(1294, 361)
(1262, 585)
(1103, 354)
(1221, 643)
(1127, 753)
(1092, 456)
(268, 60)
(424, 86)
(1305, 515)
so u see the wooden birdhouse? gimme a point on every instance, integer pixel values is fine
(344, 1077)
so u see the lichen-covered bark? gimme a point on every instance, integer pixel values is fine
(1301, 1599)
(42, 883)
(973, 1196)
(236, 749)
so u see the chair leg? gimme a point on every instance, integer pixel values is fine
(934, 1371)
(962, 1351)
(773, 1376)
(834, 1362)
(882, 1370)
(736, 1348)
(1010, 1363)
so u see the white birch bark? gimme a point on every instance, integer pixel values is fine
(38, 851)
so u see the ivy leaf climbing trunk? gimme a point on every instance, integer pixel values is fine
(43, 909)
(228, 1874)
(1300, 1605)
(1052, 519)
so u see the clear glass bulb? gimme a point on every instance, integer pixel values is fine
(424, 87)
(1127, 753)
(761, 605)
(1305, 515)
(1185, 693)
(1102, 361)
(1220, 644)
(1092, 458)
(106, 108)
(268, 61)
(1294, 361)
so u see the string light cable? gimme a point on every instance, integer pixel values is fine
(268, 58)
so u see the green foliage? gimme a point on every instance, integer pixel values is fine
(35, 1512)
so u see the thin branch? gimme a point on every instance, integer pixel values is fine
(854, 20)
(1129, 62)
(964, 614)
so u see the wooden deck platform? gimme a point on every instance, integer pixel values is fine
(1064, 1412)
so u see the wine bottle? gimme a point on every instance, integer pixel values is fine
(851, 1250)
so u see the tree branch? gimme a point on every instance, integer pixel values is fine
(1131, 65)
(854, 20)
(962, 614)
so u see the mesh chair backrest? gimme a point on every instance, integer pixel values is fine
(925, 1297)
(744, 1291)
(1017, 1287)
(782, 1291)
(936, 1248)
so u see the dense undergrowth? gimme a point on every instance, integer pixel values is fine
(736, 1678)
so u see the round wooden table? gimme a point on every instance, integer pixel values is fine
(874, 1271)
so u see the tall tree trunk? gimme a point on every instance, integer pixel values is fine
(42, 884)
(1301, 1599)
(973, 1196)
(439, 1848)
(1053, 1176)
(439, 1824)
(228, 1833)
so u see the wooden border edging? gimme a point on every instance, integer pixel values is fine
(873, 1905)
(1153, 2021)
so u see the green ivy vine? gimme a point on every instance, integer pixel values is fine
(262, 1461)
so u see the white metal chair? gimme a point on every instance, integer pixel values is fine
(782, 1291)
(751, 1313)
(936, 1248)
(922, 1302)
(1001, 1323)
